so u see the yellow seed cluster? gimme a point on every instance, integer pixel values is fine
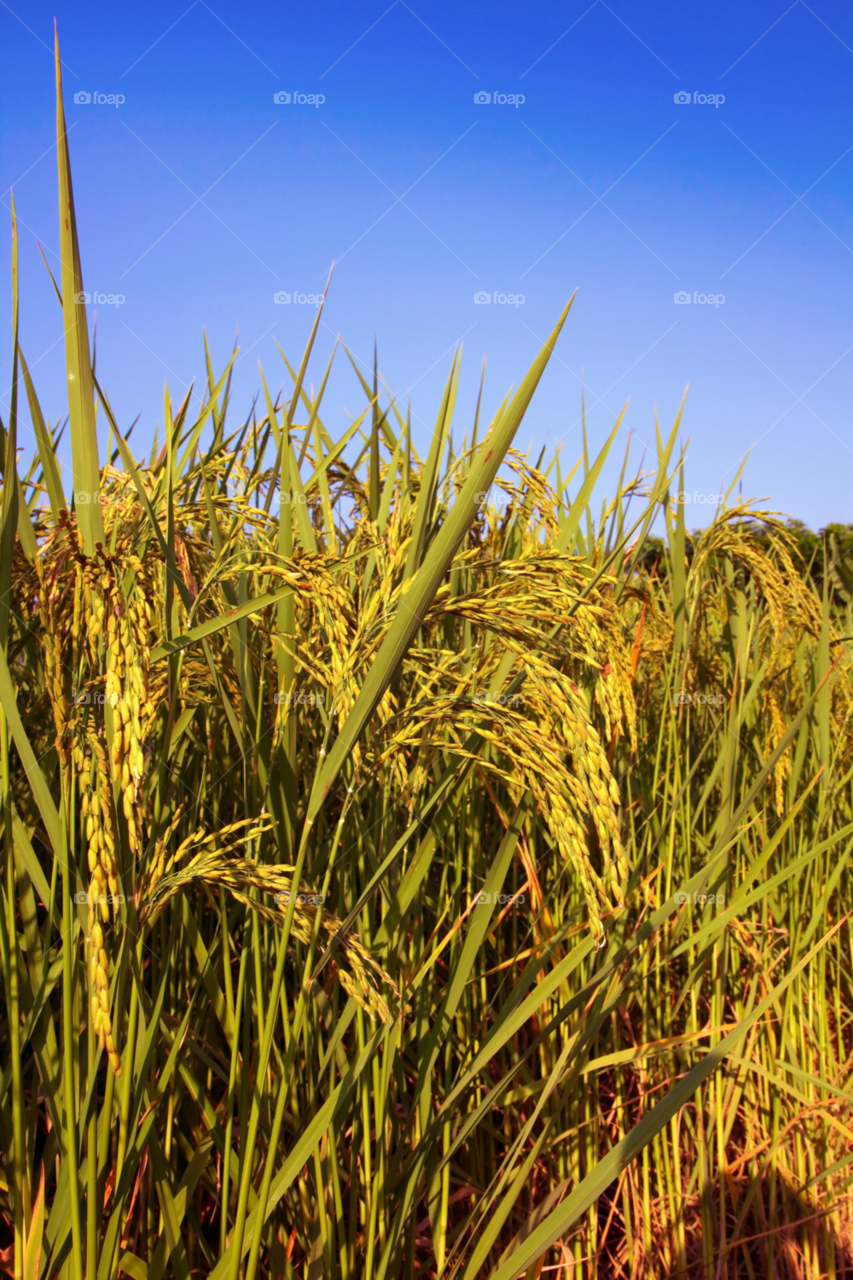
(126, 687)
(95, 625)
(532, 745)
(777, 730)
(78, 603)
(224, 841)
(548, 742)
(96, 808)
(100, 835)
(359, 974)
(117, 644)
(52, 652)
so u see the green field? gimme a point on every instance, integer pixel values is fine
(413, 866)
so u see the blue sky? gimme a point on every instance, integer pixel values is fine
(199, 198)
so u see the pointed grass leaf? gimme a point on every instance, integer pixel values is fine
(78, 368)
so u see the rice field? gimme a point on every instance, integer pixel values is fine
(411, 869)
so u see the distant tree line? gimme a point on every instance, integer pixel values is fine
(827, 553)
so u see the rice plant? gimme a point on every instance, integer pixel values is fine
(409, 870)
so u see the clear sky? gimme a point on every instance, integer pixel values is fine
(199, 198)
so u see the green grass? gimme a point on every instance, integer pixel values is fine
(480, 863)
